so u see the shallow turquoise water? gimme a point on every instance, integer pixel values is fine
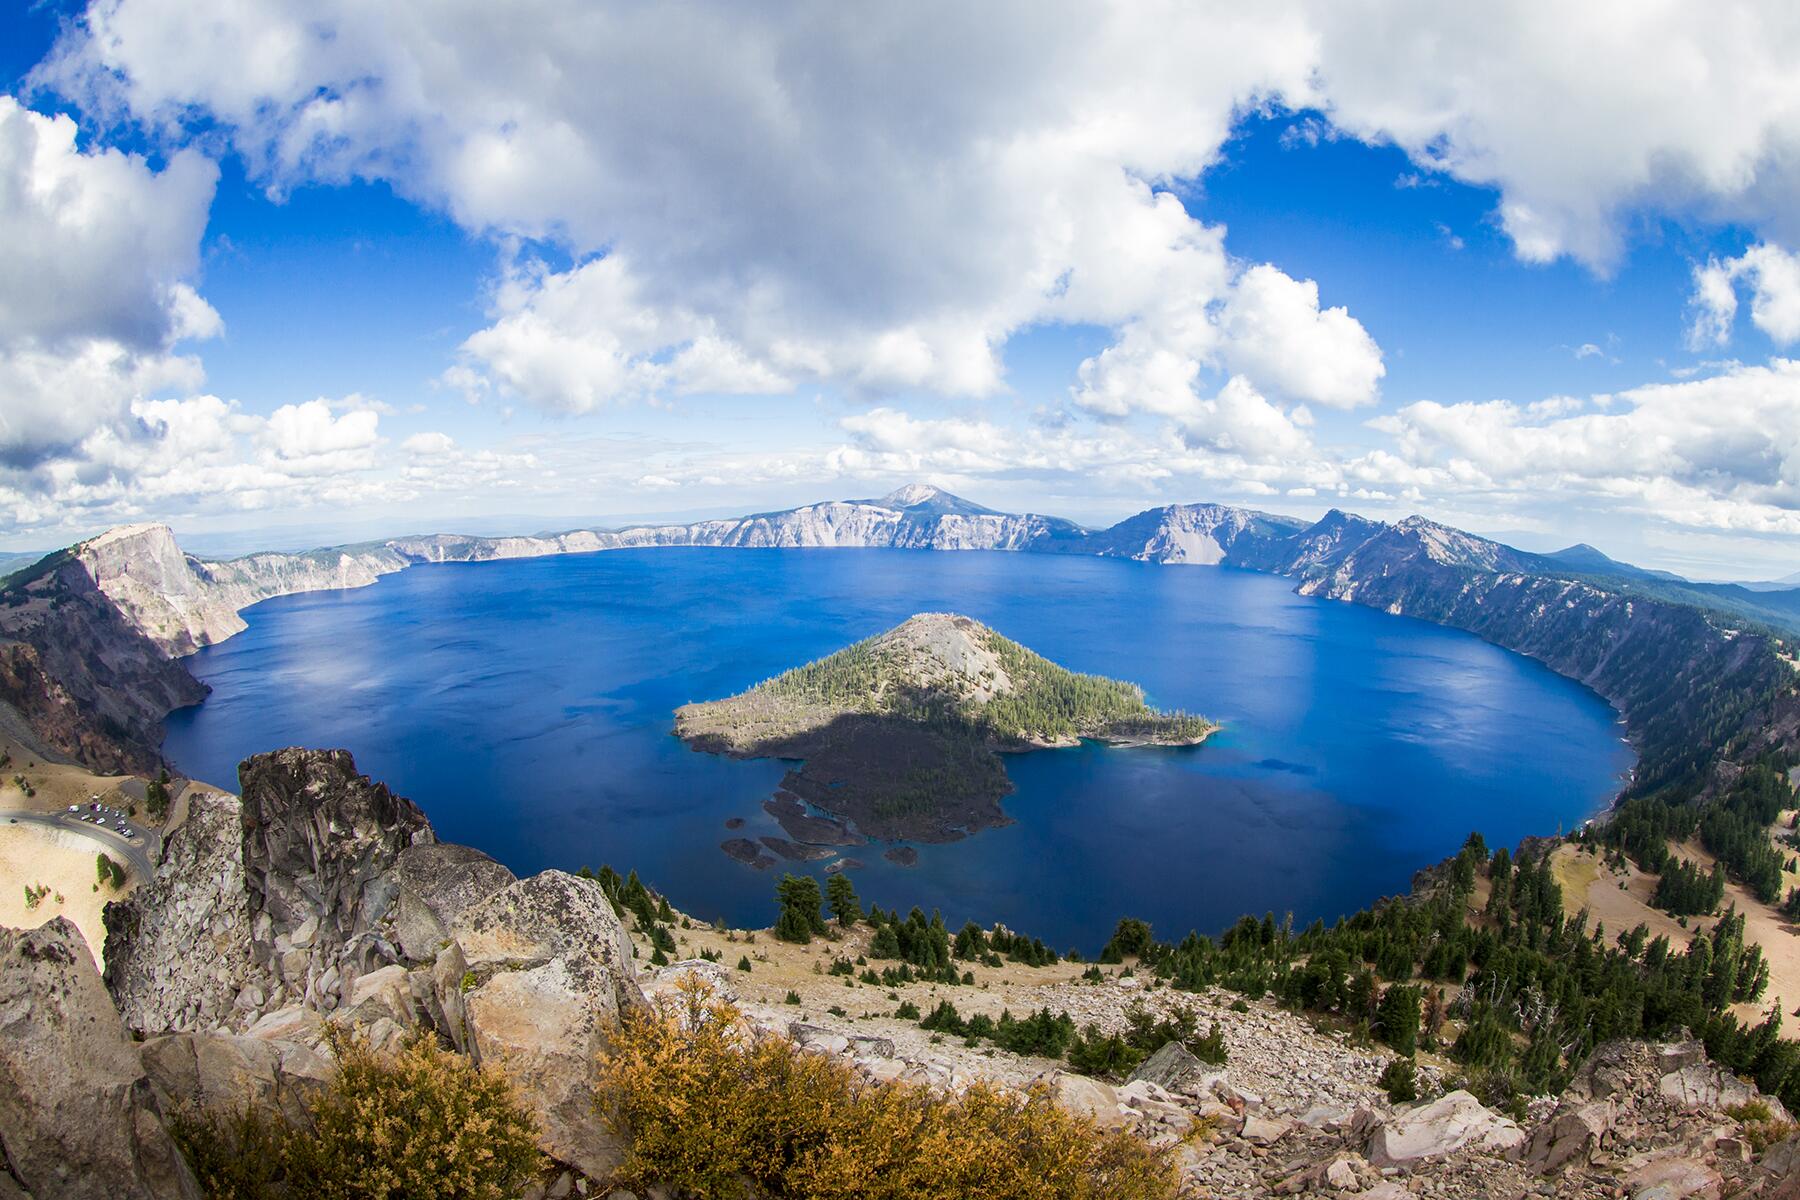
(526, 706)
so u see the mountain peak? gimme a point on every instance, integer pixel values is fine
(912, 494)
(931, 499)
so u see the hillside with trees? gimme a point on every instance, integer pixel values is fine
(901, 733)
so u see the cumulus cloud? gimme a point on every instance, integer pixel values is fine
(1275, 332)
(1664, 108)
(93, 281)
(1720, 452)
(745, 199)
(1772, 276)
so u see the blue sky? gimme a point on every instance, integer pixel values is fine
(287, 273)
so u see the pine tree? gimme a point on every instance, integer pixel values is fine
(841, 894)
(799, 919)
(1398, 1017)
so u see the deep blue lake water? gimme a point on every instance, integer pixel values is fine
(526, 706)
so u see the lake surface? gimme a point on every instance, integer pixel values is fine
(526, 706)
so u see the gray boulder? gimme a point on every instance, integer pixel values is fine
(1571, 1135)
(547, 971)
(1704, 1086)
(1445, 1125)
(236, 1071)
(437, 882)
(1173, 1068)
(78, 1118)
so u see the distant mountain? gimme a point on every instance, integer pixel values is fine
(1191, 533)
(1583, 557)
(1785, 583)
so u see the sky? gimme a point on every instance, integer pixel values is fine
(288, 272)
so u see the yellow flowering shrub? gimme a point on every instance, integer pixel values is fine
(708, 1107)
(419, 1124)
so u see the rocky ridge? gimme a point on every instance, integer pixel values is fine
(320, 899)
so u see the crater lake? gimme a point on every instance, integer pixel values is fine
(527, 706)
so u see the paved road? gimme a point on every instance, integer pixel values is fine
(135, 849)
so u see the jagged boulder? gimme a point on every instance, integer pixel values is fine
(320, 846)
(1571, 1135)
(438, 881)
(1173, 1068)
(235, 1071)
(78, 1118)
(547, 971)
(1447, 1124)
(1703, 1086)
(1675, 1178)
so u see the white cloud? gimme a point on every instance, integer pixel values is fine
(1720, 452)
(308, 438)
(1581, 115)
(1773, 277)
(574, 340)
(754, 200)
(92, 290)
(429, 445)
(1275, 332)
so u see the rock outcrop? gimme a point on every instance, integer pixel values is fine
(546, 969)
(284, 896)
(320, 847)
(78, 1118)
(321, 898)
(178, 949)
(1445, 1125)
(438, 882)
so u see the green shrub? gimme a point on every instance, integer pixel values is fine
(1401, 1080)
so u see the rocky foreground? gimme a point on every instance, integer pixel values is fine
(320, 899)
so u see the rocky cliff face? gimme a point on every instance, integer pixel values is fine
(322, 898)
(78, 669)
(1203, 534)
(178, 951)
(146, 575)
(320, 846)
